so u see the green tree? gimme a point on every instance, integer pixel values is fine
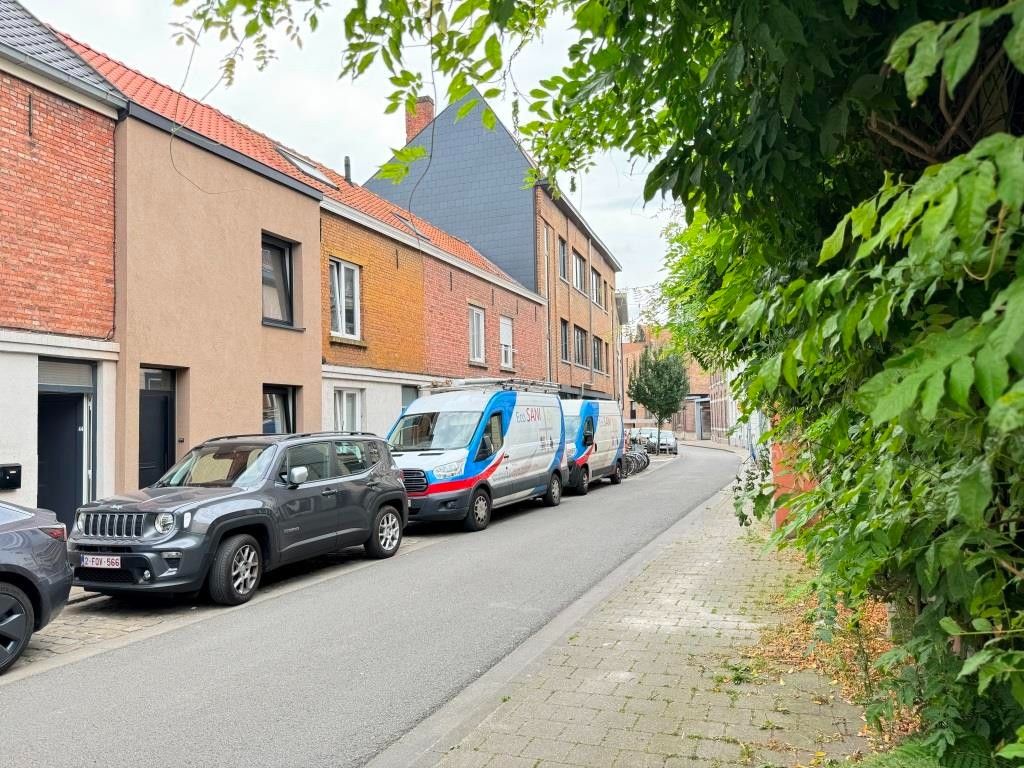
(852, 174)
(658, 381)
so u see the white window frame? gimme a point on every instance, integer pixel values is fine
(477, 329)
(338, 276)
(579, 272)
(341, 398)
(596, 287)
(507, 344)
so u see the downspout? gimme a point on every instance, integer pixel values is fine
(590, 304)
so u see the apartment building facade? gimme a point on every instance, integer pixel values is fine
(473, 186)
(58, 351)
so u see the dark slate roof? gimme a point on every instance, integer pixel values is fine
(25, 40)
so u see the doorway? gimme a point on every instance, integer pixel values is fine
(62, 447)
(156, 424)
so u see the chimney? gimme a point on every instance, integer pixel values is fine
(348, 169)
(418, 119)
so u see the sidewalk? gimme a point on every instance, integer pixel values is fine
(652, 677)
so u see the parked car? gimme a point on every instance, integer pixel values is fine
(667, 442)
(236, 507)
(35, 576)
(465, 452)
(593, 442)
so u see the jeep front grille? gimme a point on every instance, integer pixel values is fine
(414, 480)
(112, 525)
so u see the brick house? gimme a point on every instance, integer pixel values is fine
(693, 419)
(58, 352)
(380, 301)
(473, 187)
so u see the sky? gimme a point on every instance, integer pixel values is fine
(300, 101)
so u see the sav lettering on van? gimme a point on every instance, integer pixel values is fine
(462, 453)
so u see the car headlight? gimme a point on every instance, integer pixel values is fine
(80, 521)
(451, 469)
(164, 522)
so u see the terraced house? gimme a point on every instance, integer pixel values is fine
(58, 351)
(473, 186)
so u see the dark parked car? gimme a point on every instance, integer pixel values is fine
(236, 507)
(35, 577)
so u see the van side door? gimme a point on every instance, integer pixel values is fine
(493, 447)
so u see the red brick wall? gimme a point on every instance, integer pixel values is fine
(418, 119)
(448, 293)
(57, 214)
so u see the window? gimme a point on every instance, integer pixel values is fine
(409, 395)
(597, 353)
(434, 430)
(277, 282)
(219, 466)
(315, 457)
(565, 340)
(580, 275)
(492, 439)
(596, 288)
(581, 345)
(306, 167)
(607, 357)
(352, 457)
(476, 335)
(547, 243)
(348, 416)
(278, 410)
(345, 299)
(505, 329)
(563, 260)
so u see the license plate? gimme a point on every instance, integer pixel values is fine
(101, 561)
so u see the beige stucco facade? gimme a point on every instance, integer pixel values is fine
(189, 291)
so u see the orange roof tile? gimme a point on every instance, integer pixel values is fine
(222, 129)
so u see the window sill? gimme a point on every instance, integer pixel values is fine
(507, 369)
(348, 341)
(581, 292)
(477, 364)
(580, 365)
(283, 326)
(564, 280)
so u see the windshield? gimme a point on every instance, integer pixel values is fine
(572, 425)
(439, 431)
(219, 466)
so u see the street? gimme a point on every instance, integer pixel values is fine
(332, 673)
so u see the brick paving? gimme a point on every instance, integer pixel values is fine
(646, 679)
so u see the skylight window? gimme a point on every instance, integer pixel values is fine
(306, 167)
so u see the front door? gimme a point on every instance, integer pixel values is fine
(61, 454)
(309, 514)
(156, 424)
(356, 489)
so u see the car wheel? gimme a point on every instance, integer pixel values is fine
(616, 477)
(236, 571)
(385, 533)
(554, 495)
(583, 488)
(17, 620)
(479, 515)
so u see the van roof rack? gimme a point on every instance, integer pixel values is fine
(510, 384)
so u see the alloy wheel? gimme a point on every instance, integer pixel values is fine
(245, 569)
(480, 508)
(556, 489)
(389, 531)
(13, 627)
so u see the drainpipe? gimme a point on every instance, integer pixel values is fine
(590, 304)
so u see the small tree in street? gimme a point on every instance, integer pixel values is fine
(659, 383)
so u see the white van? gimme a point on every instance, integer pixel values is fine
(594, 442)
(464, 452)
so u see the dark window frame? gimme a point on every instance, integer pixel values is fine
(563, 259)
(288, 252)
(566, 345)
(578, 335)
(289, 394)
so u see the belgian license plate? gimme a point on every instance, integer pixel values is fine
(101, 561)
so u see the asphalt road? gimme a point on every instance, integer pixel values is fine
(331, 674)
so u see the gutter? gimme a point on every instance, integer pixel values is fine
(113, 100)
(346, 212)
(186, 134)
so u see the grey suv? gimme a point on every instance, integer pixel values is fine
(236, 507)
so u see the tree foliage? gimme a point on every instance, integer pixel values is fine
(658, 381)
(852, 174)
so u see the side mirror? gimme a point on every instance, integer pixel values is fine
(297, 476)
(588, 438)
(486, 448)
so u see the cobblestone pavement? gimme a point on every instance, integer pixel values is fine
(90, 620)
(644, 680)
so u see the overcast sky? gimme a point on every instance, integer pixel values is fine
(300, 101)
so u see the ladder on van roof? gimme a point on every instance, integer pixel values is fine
(511, 384)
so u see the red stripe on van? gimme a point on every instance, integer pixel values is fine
(460, 485)
(586, 455)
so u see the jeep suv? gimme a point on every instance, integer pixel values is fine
(236, 507)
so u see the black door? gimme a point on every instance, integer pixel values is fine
(61, 448)
(156, 434)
